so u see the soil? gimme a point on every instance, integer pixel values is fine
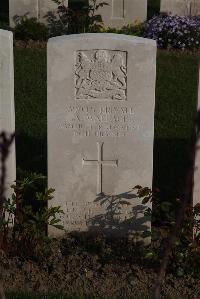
(93, 266)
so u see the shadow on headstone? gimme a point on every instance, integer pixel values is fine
(114, 221)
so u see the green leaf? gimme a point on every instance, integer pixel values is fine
(146, 234)
(150, 254)
(165, 206)
(180, 272)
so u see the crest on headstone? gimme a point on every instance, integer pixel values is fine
(101, 74)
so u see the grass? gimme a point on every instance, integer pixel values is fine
(30, 104)
(176, 96)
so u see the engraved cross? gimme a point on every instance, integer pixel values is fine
(100, 163)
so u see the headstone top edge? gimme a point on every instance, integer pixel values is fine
(6, 33)
(99, 36)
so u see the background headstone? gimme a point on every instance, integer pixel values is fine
(32, 8)
(119, 13)
(180, 7)
(196, 188)
(101, 95)
(7, 111)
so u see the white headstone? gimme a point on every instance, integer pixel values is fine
(196, 188)
(7, 111)
(31, 8)
(119, 13)
(101, 95)
(180, 7)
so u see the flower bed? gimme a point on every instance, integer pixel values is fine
(174, 31)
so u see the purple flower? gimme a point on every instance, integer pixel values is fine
(174, 31)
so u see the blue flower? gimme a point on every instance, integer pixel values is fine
(174, 31)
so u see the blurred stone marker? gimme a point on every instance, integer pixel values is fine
(196, 187)
(31, 8)
(7, 111)
(119, 13)
(101, 96)
(180, 7)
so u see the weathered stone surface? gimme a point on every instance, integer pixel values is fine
(101, 94)
(119, 13)
(99, 66)
(7, 111)
(180, 7)
(31, 8)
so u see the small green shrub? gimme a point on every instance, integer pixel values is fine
(27, 29)
(28, 214)
(79, 18)
(184, 257)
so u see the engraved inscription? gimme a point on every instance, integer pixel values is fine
(101, 121)
(81, 213)
(117, 9)
(100, 163)
(101, 75)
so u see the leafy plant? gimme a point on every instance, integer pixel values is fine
(30, 28)
(186, 249)
(29, 216)
(68, 20)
